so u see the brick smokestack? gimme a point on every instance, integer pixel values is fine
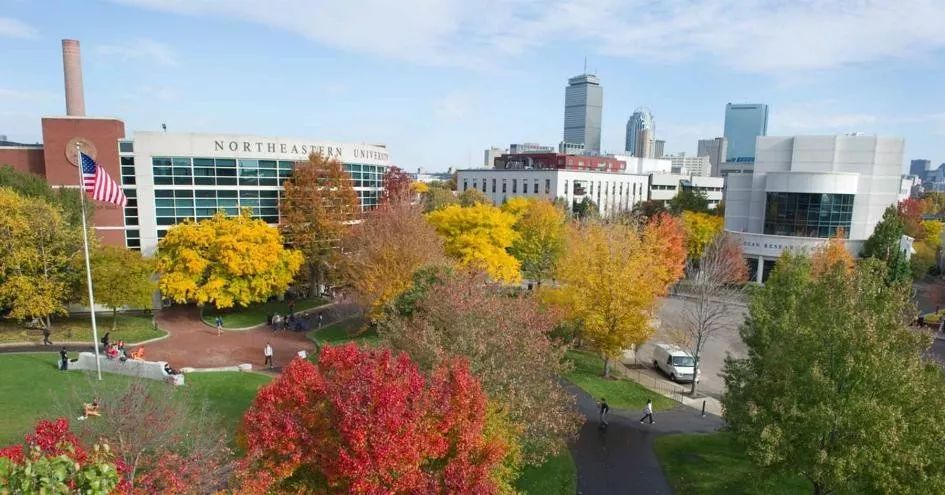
(72, 70)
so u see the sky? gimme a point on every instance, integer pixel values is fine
(438, 81)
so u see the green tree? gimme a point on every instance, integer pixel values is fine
(648, 209)
(34, 186)
(586, 209)
(883, 245)
(122, 278)
(840, 394)
(541, 230)
(39, 258)
(437, 197)
(689, 200)
(470, 197)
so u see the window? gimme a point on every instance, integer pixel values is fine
(547, 186)
(126, 146)
(484, 185)
(535, 189)
(808, 215)
(465, 185)
(493, 186)
(514, 186)
(503, 186)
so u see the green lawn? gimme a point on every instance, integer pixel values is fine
(131, 328)
(32, 388)
(709, 464)
(557, 476)
(256, 314)
(344, 331)
(620, 394)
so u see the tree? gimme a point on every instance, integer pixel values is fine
(910, 212)
(436, 198)
(835, 386)
(471, 197)
(540, 243)
(505, 337)
(933, 202)
(586, 209)
(715, 284)
(610, 278)
(884, 244)
(701, 229)
(34, 186)
(397, 186)
(53, 461)
(688, 199)
(318, 204)
(225, 261)
(122, 277)
(367, 421)
(648, 209)
(166, 444)
(833, 254)
(478, 236)
(385, 249)
(39, 258)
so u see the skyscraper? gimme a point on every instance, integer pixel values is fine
(918, 168)
(641, 119)
(583, 100)
(716, 150)
(743, 123)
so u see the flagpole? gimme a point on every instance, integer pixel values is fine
(88, 266)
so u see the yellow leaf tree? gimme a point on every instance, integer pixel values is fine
(833, 253)
(225, 261)
(478, 237)
(610, 281)
(701, 229)
(121, 278)
(541, 235)
(318, 205)
(383, 251)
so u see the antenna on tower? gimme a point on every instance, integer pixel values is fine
(585, 64)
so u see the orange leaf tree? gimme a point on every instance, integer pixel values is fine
(318, 203)
(367, 421)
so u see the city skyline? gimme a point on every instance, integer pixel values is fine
(437, 100)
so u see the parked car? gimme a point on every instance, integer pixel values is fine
(676, 363)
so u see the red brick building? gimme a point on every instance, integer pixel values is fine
(559, 161)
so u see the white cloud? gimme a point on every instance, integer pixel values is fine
(13, 28)
(143, 49)
(749, 35)
(454, 106)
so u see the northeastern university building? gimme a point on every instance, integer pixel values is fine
(172, 176)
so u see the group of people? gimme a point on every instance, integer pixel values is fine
(605, 410)
(293, 322)
(117, 350)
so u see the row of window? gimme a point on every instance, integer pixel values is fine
(245, 172)
(808, 214)
(535, 184)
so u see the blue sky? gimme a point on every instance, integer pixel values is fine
(438, 81)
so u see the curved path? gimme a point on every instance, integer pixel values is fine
(620, 459)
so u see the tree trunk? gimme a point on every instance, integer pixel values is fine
(695, 374)
(606, 367)
(818, 489)
(114, 319)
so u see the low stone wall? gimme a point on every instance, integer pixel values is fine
(152, 370)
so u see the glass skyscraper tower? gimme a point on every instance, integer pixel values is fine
(583, 100)
(743, 123)
(642, 119)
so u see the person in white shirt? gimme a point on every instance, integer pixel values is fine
(648, 411)
(267, 351)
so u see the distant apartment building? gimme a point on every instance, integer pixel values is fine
(664, 187)
(658, 149)
(491, 154)
(716, 150)
(583, 102)
(516, 148)
(570, 148)
(690, 165)
(744, 122)
(551, 161)
(919, 167)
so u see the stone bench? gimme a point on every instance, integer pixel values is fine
(152, 370)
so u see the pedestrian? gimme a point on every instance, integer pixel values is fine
(286, 321)
(267, 352)
(648, 411)
(276, 322)
(269, 319)
(941, 324)
(604, 409)
(219, 323)
(46, 340)
(105, 339)
(63, 360)
(321, 317)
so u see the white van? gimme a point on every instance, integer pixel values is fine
(675, 362)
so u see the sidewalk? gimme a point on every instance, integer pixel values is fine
(675, 391)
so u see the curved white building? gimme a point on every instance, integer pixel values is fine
(806, 188)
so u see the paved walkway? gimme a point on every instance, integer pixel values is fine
(620, 459)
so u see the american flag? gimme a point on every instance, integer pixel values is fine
(99, 185)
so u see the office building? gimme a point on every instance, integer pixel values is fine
(516, 148)
(570, 148)
(744, 122)
(659, 148)
(521, 161)
(920, 167)
(690, 165)
(612, 192)
(583, 101)
(491, 154)
(644, 144)
(426, 177)
(168, 177)
(641, 119)
(664, 187)
(716, 150)
(805, 189)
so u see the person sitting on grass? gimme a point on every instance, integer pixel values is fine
(111, 352)
(169, 370)
(138, 354)
(89, 410)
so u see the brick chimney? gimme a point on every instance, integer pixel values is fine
(72, 71)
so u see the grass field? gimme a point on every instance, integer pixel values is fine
(256, 314)
(344, 331)
(33, 388)
(131, 328)
(557, 476)
(713, 464)
(620, 394)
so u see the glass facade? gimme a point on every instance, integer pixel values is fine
(808, 214)
(744, 123)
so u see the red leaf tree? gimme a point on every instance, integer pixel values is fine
(910, 211)
(396, 186)
(367, 421)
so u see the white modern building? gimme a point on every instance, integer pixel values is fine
(489, 156)
(690, 165)
(644, 166)
(612, 192)
(806, 188)
(664, 187)
(172, 176)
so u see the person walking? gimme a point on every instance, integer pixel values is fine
(105, 339)
(276, 321)
(267, 352)
(648, 411)
(63, 360)
(604, 409)
(46, 340)
(321, 318)
(219, 322)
